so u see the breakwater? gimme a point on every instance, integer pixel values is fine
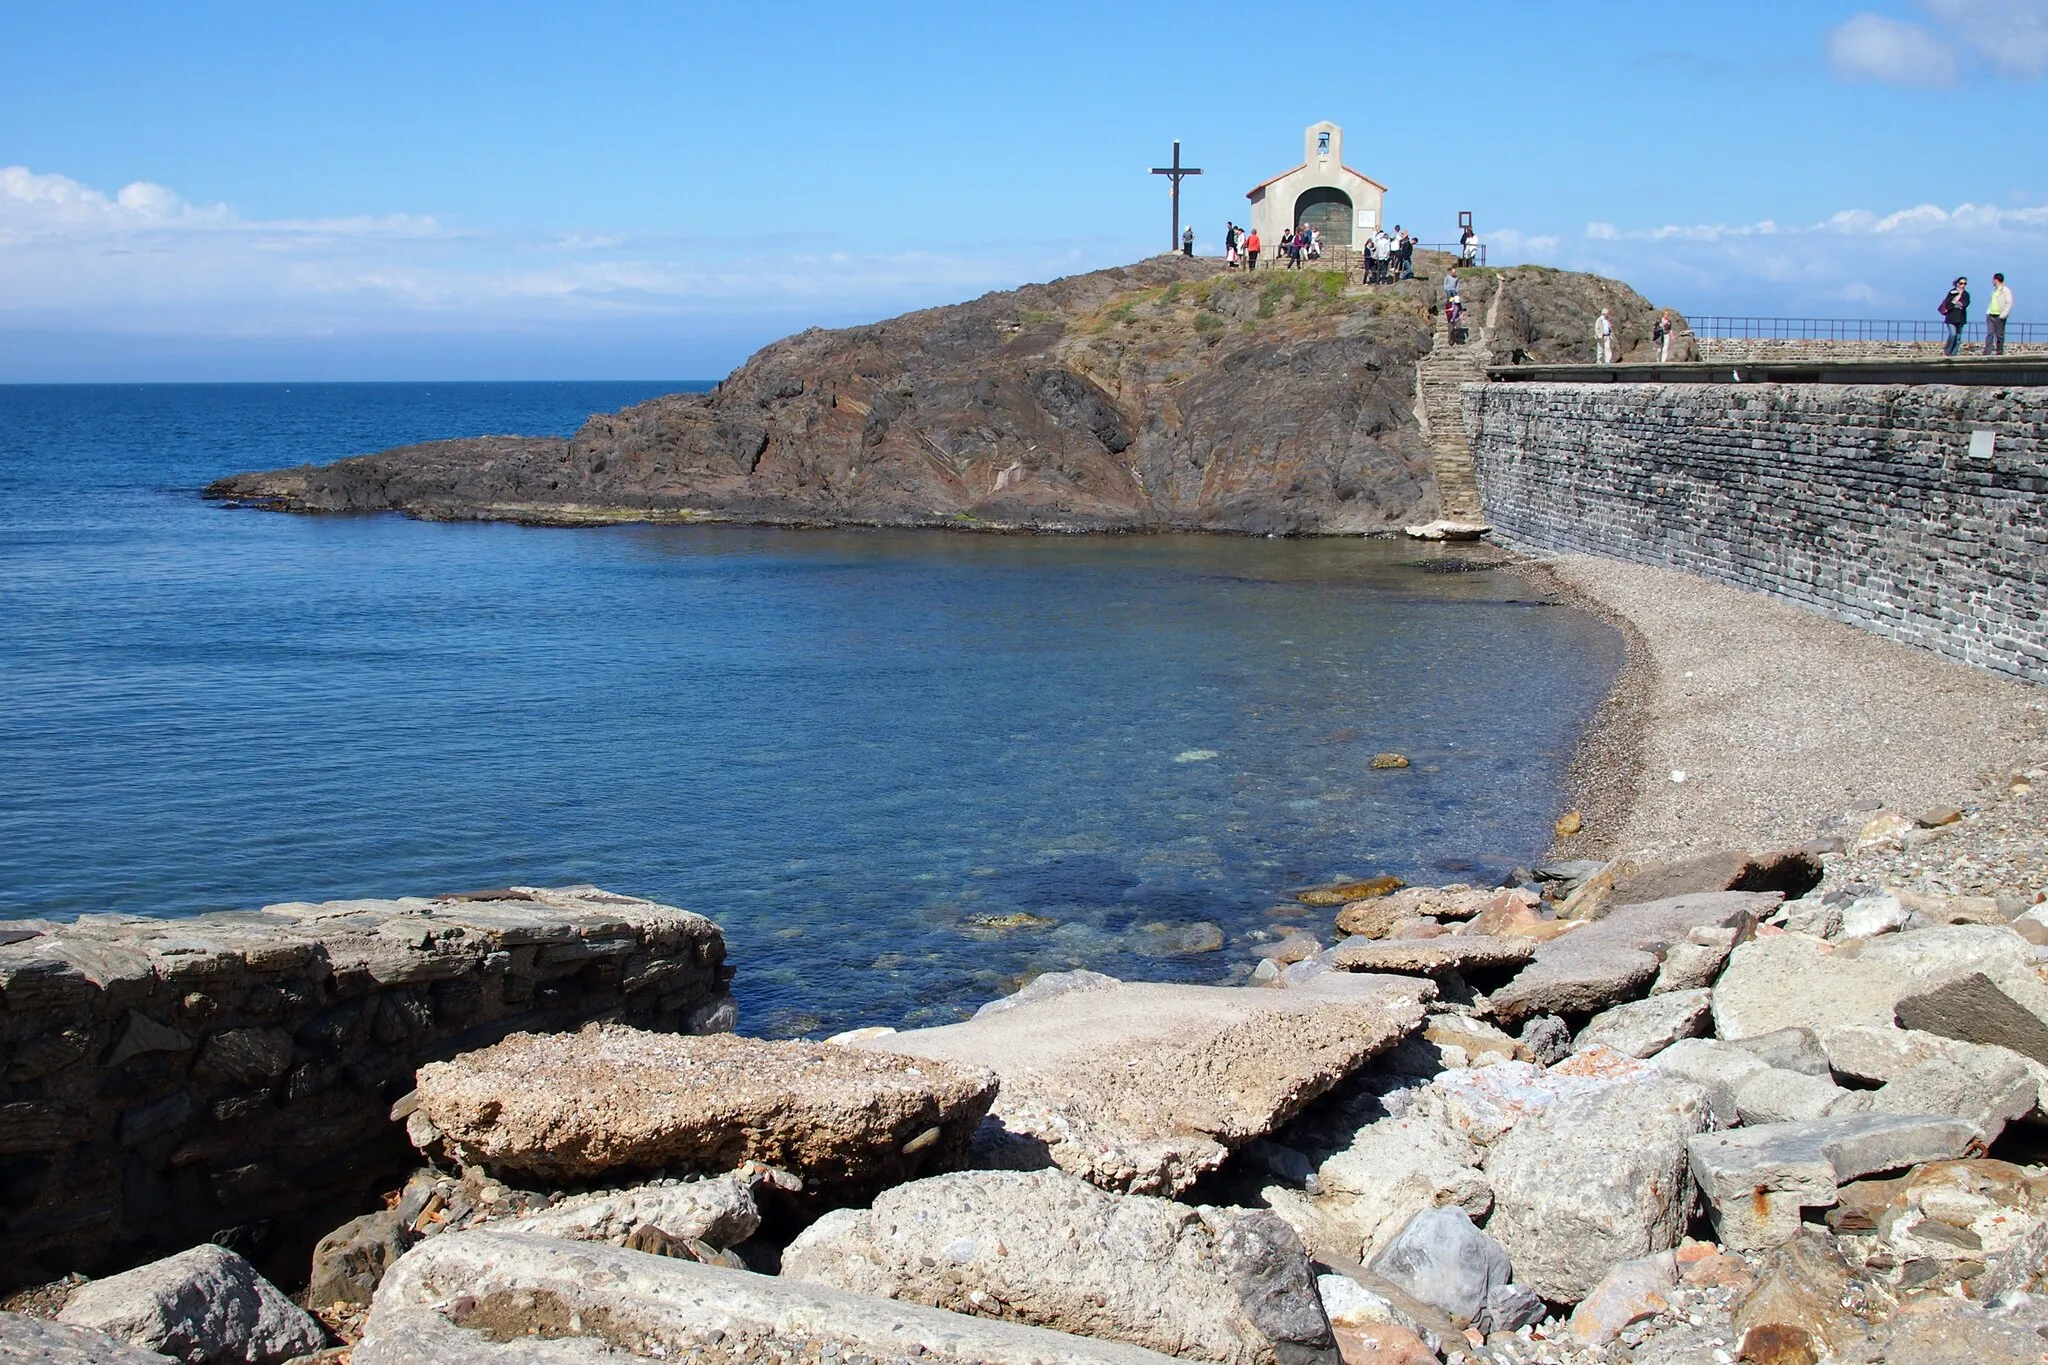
(229, 1077)
(1913, 511)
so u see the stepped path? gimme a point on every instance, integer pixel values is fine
(1440, 409)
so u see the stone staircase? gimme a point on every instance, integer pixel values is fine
(1441, 411)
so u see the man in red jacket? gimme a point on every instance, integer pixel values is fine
(1251, 251)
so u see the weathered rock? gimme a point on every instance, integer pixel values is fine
(1293, 949)
(1791, 981)
(1940, 1330)
(1370, 918)
(1145, 1087)
(1483, 1104)
(1816, 916)
(203, 1305)
(1617, 958)
(1869, 916)
(609, 1099)
(1788, 1049)
(1931, 908)
(33, 1341)
(1474, 1038)
(1359, 1300)
(1758, 1179)
(1989, 1089)
(1383, 1343)
(1796, 1308)
(1967, 1214)
(1789, 872)
(1975, 1009)
(1043, 987)
(1442, 1259)
(1510, 1308)
(1548, 1038)
(1049, 1249)
(477, 1298)
(1627, 1294)
(720, 1212)
(1774, 1095)
(1394, 1169)
(1594, 1181)
(1643, 1028)
(350, 1261)
(1718, 1068)
(1693, 964)
(1431, 956)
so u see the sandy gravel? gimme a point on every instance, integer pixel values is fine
(1778, 717)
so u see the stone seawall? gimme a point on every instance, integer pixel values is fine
(230, 1076)
(1872, 504)
(1727, 350)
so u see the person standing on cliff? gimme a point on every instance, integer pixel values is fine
(1995, 314)
(1955, 311)
(1251, 251)
(1603, 332)
(1187, 242)
(1666, 328)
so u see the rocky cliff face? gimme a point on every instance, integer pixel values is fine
(1164, 395)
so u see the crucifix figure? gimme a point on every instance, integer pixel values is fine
(1175, 172)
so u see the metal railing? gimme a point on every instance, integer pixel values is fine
(1454, 249)
(1853, 329)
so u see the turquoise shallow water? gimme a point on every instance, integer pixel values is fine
(845, 746)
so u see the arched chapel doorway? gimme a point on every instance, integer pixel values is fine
(1328, 211)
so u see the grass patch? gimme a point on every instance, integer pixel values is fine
(1037, 316)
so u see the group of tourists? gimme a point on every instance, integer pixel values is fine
(1389, 256)
(1955, 311)
(1297, 245)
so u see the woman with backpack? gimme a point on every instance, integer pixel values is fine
(1955, 311)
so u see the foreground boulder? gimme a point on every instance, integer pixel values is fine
(1618, 958)
(1757, 1180)
(576, 1107)
(206, 1305)
(1443, 1260)
(1595, 1180)
(1797, 981)
(1143, 1088)
(33, 1341)
(493, 1298)
(1052, 1250)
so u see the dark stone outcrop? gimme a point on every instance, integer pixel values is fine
(1165, 395)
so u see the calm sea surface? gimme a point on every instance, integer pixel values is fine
(845, 746)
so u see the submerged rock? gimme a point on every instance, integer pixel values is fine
(578, 1107)
(1049, 1249)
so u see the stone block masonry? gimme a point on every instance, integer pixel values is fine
(1916, 512)
(230, 1076)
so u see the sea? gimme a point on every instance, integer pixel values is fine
(905, 770)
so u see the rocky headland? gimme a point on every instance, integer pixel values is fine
(1165, 395)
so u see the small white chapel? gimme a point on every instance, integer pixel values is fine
(1323, 193)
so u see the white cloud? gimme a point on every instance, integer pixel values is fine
(1857, 260)
(2012, 35)
(1870, 47)
(145, 259)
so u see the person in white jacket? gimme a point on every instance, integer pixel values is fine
(1603, 333)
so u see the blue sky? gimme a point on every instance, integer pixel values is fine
(243, 191)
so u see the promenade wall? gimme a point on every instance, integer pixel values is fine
(1916, 512)
(1742, 350)
(230, 1077)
